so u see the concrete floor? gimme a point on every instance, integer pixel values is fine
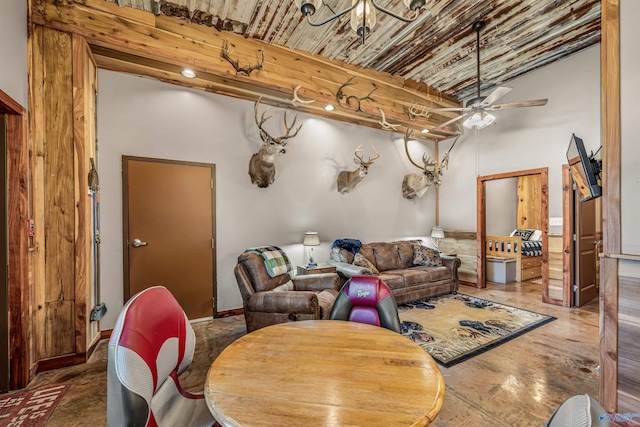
(519, 383)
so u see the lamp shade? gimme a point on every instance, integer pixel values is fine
(311, 238)
(437, 232)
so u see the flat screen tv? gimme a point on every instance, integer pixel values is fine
(584, 170)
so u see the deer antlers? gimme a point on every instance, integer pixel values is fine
(340, 95)
(265, 135)
(414, 111)
(384, 123)
(296, 99)
(241, 70)
(359, 157)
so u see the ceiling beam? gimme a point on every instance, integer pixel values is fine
(133, 41)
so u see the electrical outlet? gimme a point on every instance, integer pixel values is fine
(555, 221)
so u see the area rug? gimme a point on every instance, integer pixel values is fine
(31, 409)
(454, 328)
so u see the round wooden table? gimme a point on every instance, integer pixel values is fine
(324, 373)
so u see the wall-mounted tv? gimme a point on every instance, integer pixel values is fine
(584, 169)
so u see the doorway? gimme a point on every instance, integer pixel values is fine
(581, 244)
(16, 311)
(538, 205)
(169, 231)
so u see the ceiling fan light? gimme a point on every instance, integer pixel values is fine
(414, 4)
(308, 7)
(363, 16)
(479, 120)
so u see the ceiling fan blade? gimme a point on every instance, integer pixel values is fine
(447, 123)
(497, 93)
(450, 109)
(519, 104)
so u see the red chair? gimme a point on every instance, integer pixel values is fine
(150, 346)
(367, 299)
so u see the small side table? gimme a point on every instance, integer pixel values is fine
(320, 268)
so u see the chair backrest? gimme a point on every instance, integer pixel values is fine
(151, 344)
(367, 299)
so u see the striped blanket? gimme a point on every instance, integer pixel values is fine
(276, 261)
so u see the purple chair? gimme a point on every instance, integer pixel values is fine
(367, 299)
(150, 346)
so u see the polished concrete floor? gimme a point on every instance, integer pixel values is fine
(519, 383)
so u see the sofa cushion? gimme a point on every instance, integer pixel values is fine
(425, 256)
(394, 281)
(387, 256)
(420, 275)
(367, 251)
(254, 265)
(405, 251)
(361, 261)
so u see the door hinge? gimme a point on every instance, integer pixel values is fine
(213, 244)
(575, 237)
(213, 303)
(575, 288)
(211, 182)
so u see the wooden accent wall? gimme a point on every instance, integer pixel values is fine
(129, 40)
(61, 142)
(529, 202)
(628, 333)
(610, 89)
(463, 244)
(556, 270)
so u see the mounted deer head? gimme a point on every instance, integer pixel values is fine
(261, 166)
(347, 180)
(416, 184)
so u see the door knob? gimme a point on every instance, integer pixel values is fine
(137, 243)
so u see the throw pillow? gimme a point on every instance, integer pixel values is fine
(286, 286)
(361, 261)
(425, 256)
(338, 254)
(537, 235)
(525, 234)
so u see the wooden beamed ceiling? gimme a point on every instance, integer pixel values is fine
(139, 42)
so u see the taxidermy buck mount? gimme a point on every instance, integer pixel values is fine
(416, 184)
(347, 180)
(261, 166)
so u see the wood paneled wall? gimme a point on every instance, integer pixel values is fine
(628, 333)
(529, 201)
(463, 244)
(61, 143)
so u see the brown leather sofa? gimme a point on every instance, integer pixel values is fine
(394, 262)
(270, 300)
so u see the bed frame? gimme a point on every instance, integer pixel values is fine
(527, 267)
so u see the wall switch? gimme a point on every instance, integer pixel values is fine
(555, 221)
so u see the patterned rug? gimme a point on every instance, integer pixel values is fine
(31, 409)
(454, 328)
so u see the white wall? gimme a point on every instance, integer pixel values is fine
(527, 138)
(501, 198)
(13, 50)
(630, 126)
(143, 117)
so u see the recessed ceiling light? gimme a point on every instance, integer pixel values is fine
(424, 131)
(190, 74)
(329, 108)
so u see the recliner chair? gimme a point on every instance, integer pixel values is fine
(367, 299)
(150, 346)
(270, 300)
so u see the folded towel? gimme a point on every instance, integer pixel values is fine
(352, 245)
(275, 259)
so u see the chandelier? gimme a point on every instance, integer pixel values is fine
(363, 13)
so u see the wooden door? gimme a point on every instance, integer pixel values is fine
(169, 217)
(585, 287)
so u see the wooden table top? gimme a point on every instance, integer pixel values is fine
(324, 373)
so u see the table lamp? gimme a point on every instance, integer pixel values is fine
(437, 233)
(311, 239)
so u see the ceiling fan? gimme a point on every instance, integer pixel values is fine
(476, 111)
